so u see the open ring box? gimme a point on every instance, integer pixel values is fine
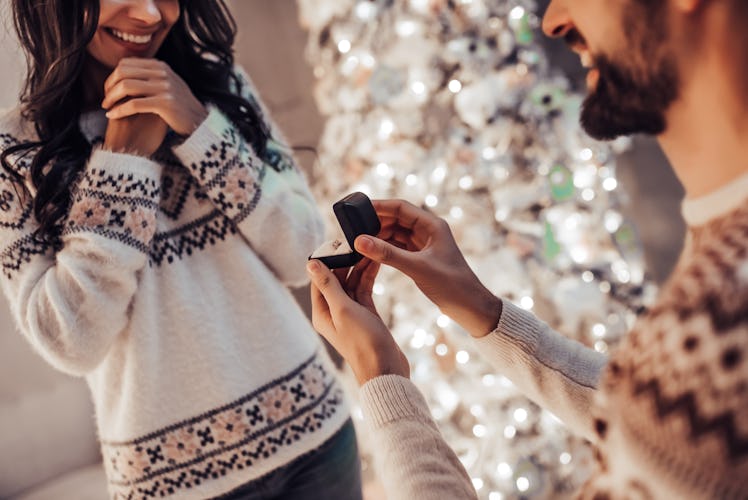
(356, 216)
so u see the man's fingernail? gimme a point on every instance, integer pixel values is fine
(365, 243)
(312, 266)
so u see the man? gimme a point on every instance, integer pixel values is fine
(668, 412)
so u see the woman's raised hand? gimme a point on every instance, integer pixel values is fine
(141, 86)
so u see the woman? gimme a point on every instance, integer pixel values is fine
(149, 226)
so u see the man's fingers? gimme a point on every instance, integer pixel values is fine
(384, 253)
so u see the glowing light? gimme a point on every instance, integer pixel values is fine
(520, 415)
(365, 10)
(510, 431)
(462, 357)
(588, 194)
(488, 153)
(418, 88)
(411, 179)
(526, 302)
(588, 277)
(489, 380)
(601, 346)
(439, 174)
(613, 221)
(604, 287)
(405, 28)
(599, 330)
(466, 182)
(383, 169)
(477, 410)
(456, 212)
(443, 321)
(386, 127)
(504, 470)
(565, 458)
(378, 289)
(523, 484)
(477, 483)
(610, 184)
(517, 13)
(479, 430)
(344, 46)
(441, 350)
(495, 495)
(454, 86)
(585, 154)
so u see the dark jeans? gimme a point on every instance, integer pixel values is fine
(331, 472)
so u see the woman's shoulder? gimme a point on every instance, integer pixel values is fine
(14, 128)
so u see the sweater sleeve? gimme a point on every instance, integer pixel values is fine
(71, 299)
(267, 198)
(558, 373)
(411, 457)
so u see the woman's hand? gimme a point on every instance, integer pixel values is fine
(421, 245)
(343, 312)
(138, 134)
(139, 86)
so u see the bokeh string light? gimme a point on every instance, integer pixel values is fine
(453, 106)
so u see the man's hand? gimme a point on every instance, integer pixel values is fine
(421, 245)
(343, 312)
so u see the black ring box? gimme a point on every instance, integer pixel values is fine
(356, 216)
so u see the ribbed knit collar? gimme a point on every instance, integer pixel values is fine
(699, 211)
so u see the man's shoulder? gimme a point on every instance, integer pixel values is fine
(712, 281)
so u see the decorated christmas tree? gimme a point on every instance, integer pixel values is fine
(452, 105)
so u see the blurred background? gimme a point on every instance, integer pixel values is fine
(46, 427)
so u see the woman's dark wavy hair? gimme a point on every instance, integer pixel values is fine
(54, 35)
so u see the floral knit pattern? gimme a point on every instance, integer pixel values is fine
(119, 206)
(233, 437)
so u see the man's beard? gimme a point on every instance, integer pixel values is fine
(623, 105)
(632, 97)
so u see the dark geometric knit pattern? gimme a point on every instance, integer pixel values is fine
(678, 387)
(120, 207)
(233, 437)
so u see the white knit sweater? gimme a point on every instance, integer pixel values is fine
(668, 413)
(168, 293)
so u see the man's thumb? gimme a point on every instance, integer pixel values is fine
(380, 251)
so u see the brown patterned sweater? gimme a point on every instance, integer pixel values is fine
(668, 413)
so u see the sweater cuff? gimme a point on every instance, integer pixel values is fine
(117, 164)
(517, 325)
(389, 398)
(117, 198)
(208, 143)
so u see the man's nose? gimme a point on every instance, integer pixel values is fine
(556, 21)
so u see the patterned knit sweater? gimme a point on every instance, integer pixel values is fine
(668, 413)
(168, 292)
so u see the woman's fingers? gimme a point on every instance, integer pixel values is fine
(140, 105)
(133, 73)
(133, 88)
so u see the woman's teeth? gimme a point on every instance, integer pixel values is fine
(127, 37)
